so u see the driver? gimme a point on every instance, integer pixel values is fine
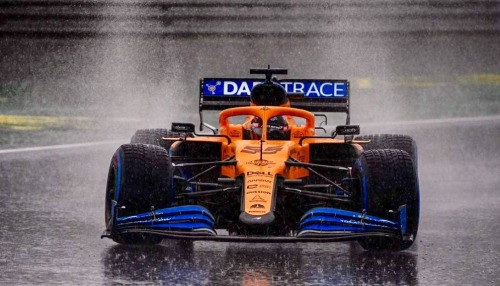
(256, 128)
(273, 94)
(277, 128)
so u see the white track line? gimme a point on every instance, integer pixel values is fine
(63, 146)
(437, 121)
(398, 123)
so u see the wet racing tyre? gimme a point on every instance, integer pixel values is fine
(388, 180)
(391, 141)
(139, 181)
(154, 137)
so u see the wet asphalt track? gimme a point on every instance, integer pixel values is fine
(51, 218)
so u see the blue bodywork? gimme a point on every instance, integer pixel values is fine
(318, 224)
(328, 220)
(190, 218)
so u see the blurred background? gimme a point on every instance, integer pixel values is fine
(140, 61)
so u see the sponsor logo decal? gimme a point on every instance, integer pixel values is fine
(213, 87)
(256, 212)
(258, 192)
(310, 88)
(234, 133)
(260, 162)
(256, 206)
(259, 173)
(257, 199)
(259, 181)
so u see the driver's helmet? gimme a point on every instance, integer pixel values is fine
(277, 128)
(268, 93)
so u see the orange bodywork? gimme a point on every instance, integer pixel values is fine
(260, 162)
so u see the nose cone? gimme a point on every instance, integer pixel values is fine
(257, 219)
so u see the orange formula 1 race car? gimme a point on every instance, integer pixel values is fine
(264, 175)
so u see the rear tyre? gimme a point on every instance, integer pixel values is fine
(154, 137)
(139, 181)
(388, 181)
(391, 141)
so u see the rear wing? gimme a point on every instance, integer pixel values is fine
(309, 94)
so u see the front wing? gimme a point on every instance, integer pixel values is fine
(193, 222)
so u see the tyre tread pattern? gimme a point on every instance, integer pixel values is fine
(145, 185)
(392, 182)
(391, 141)
(145, 177)
(154, 137)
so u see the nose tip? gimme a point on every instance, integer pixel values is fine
(256, 219)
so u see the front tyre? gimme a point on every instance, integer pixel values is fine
(388, 180)
(139, 180)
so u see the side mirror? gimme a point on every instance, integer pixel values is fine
(183, 127)
(347, 130)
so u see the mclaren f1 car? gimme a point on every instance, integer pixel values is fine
(265, 174)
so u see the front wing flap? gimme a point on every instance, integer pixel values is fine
(317, 225)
